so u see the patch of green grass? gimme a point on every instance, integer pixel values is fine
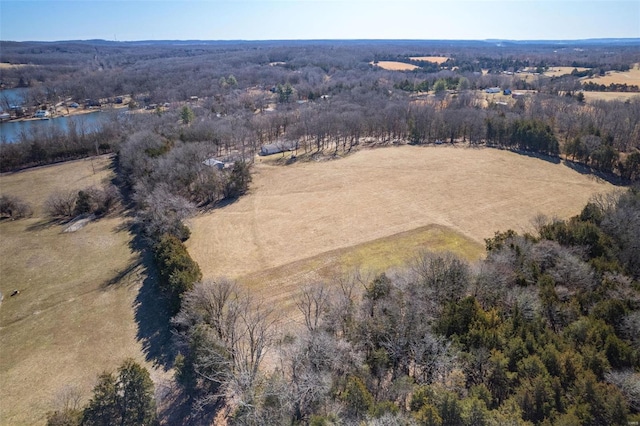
(279, 286)
(396, 250)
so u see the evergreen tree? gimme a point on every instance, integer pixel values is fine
(186, 115)
(125, 400)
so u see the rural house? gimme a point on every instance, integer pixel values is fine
(277, 147)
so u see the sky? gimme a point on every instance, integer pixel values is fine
(127, 20)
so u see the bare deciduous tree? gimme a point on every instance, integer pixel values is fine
(313, 302)
(61, 204)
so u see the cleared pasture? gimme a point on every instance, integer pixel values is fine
(436, 59)
(610, 96)
(559, 71)
(6, 65)
(75, 314)
(280, 285)
(631, 77)
(301, 211)
(395, 66)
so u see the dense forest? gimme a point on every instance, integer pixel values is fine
(543, 331)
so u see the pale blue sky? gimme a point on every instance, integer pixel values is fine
(317, 19)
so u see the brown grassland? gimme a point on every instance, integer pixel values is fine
(610, 96)
(631, 77)
(376, 209)
(558, 71)
(437, 59)
(74, 316)
(76, 312)
(395, 66)
(5, 65)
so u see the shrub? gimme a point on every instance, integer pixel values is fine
(61, 204)
(14, 207)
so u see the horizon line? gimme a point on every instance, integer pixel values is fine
(489, 40)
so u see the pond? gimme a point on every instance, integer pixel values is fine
(10, 131)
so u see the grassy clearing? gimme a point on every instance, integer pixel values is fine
(384, 253)
(395, 66)
(35, 185)
(304, 210)
(437, 59)
(631, 77)
(559, 71)
(610, 96)
(74, 316)
(279, 286)
(5, 65)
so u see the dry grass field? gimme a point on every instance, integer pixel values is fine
(558, 71)
(309, 221)
(610, 96)
(395, 66)
(631, 77)
(5, 65)
(74, 316)
(437, 59)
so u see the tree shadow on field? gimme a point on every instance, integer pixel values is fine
(151, 313)
(219, 205)
(586, 170)
(539, 156)
(43, 224)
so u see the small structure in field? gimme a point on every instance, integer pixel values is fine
(278, 147)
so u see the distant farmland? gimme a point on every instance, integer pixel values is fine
(310, 220)
(631, 77)
(436, 59)
(395, 66)
(558, 71)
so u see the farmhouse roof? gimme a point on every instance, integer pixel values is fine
(213, 162)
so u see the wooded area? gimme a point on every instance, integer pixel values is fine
(326, 96)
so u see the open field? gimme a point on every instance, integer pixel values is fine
(610, 96)
(395, 66)
(328, 216)
(631, 77)
(280, 284)
(437, 59)
(5, 65)
(74, 316)
(558, 71)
